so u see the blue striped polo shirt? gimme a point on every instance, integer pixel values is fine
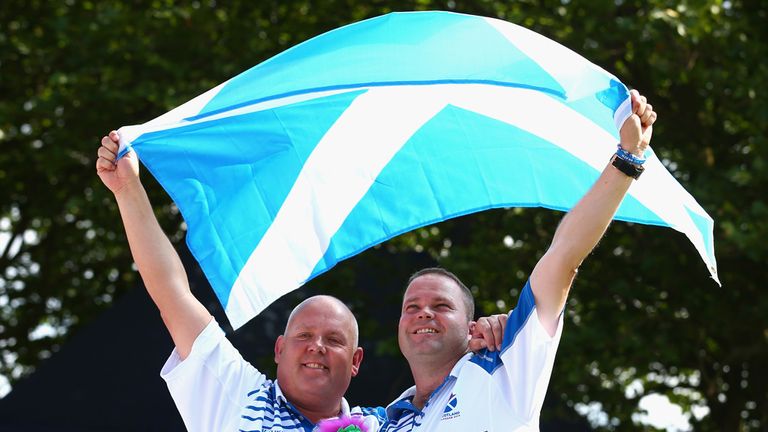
(215, 389)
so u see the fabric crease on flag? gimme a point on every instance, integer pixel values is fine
(383, 126)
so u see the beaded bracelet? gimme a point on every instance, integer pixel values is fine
(629, 157)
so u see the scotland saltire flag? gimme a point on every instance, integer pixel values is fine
(382, 126)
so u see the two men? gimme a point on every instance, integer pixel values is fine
(495, 390)
(212, 386)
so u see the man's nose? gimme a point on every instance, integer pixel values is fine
(426, 313)
(317, 345)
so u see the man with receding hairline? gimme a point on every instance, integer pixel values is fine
(316, 356)
(213, 387)
(313, 354)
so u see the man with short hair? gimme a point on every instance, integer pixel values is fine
(503, 387)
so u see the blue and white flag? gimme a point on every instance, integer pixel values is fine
(383, 126)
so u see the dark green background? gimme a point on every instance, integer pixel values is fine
(643, 307)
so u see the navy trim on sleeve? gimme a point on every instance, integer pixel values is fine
(519, 316)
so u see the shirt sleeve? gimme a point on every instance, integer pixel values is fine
(211, 385)
(527, 355)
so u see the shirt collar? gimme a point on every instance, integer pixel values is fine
(459, 364)
(404, 402)
(279, 393)
(406, 395)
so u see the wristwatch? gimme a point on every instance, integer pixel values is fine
(628, 168)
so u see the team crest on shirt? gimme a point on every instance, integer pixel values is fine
(451, 409)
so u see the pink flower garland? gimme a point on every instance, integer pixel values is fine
(343, 424)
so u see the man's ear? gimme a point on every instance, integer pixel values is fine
(357, 358)
(279, 348)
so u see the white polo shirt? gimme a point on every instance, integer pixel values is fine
(215, 389)
(500, 391)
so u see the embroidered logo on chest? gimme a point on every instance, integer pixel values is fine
(451, 410)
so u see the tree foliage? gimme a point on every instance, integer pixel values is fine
(643, 316)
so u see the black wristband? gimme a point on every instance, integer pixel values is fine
(628, 168)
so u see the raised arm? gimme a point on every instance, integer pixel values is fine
(585, 224)
(157, 261)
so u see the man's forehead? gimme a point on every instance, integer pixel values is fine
(319, 325)
(435, 287)
(416, 299)
(342, 329)
(316, 316)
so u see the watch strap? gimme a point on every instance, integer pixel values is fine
(628, 168)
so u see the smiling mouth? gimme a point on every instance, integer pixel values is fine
(316, 366)
(426, 331)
